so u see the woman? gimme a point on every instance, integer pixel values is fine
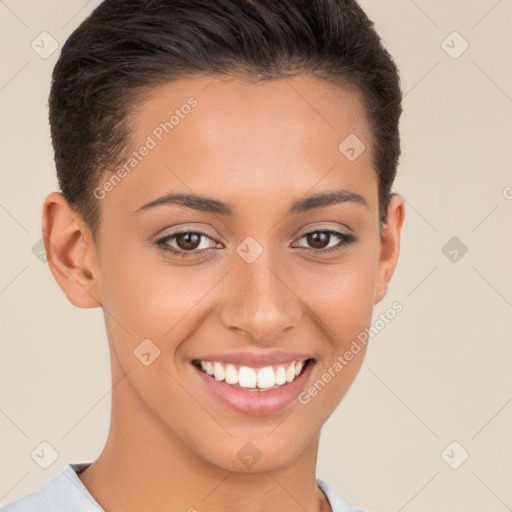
(225, 171)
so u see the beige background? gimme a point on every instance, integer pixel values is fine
(439, 372)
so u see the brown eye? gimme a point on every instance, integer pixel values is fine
(319, 241)
(188, 241)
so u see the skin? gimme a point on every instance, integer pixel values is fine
(258, 146)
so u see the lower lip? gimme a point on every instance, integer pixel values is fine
(256, 403)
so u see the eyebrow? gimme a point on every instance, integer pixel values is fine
(210, 205)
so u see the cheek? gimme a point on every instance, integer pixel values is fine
(145, 293)
(341, 295)
(341, 299)
(155, 300)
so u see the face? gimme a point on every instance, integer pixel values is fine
(252, 274)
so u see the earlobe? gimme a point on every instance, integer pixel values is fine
(71, 252)
(390, 246)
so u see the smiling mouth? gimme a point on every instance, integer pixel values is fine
(253, 379)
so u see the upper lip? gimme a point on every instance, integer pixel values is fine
(255, 359)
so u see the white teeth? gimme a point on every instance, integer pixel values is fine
(231, 374)
(218, 371)
(264, 378)
(280, 375)
(290, 372)
(209, 368)
(246, 377)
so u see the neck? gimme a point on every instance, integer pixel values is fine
(145, 466)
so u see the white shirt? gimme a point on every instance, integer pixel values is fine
(65, 492)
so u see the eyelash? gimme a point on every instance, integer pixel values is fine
(346, 239)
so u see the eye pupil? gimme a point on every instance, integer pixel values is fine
(191, 240)
(318, 238)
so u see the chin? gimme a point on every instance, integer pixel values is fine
(258, 456)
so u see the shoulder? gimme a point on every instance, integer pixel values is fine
(62, 492)
(338, 504)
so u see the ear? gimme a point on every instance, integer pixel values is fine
(389, 246)
(70, 252)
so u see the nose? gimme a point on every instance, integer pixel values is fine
(260, 300)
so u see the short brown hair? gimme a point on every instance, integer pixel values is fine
(127, 46)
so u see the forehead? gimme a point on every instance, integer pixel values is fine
(254, 142)
(302, 107)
